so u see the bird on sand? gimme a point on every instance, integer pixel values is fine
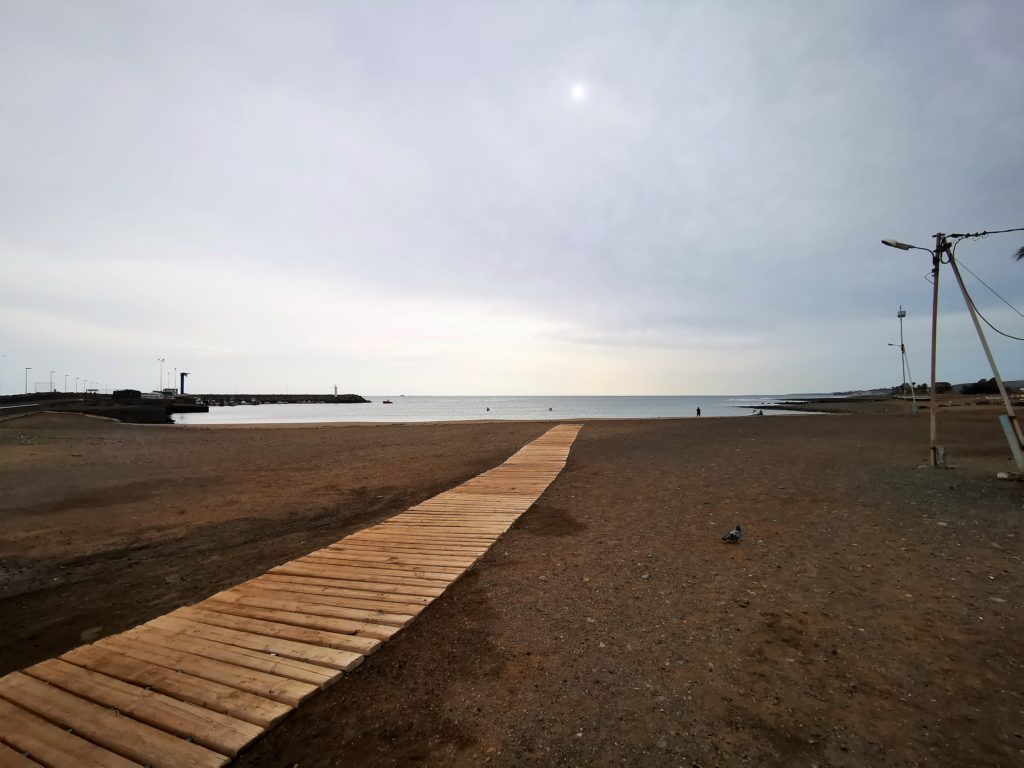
(733, 536)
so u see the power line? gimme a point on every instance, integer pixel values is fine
(961, 263)
(977, 235)
(952, 257)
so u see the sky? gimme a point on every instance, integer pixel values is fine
(520, 197)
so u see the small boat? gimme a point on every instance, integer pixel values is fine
(387, 402)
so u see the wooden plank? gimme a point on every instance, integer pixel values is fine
(490, 503)
(368, 573)
(404, 559)
(468, 552)
(397, 526)
(493, 533)
(11, 759)
(429, 531)
(441, 545)
(324, 572)
(450, 526)
(51, 745)
(268, 686)
(461, 494)
(393, 557)
(474, 515)
(300, 619)
(445, 562)
(474, 512)
(294, 669)
(125, 666)
(469, 522)
(290, 649)
(294, 603)
(121, 735)
(207, 728)
(347, 597)
(340, 590)
(444, 576)
(316, 637)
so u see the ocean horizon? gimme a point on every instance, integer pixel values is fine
(427, 408)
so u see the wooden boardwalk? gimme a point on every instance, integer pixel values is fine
(194, 687)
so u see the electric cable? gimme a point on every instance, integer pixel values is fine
(962, 264)
(951, 254)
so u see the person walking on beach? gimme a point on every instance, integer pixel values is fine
(698, 411)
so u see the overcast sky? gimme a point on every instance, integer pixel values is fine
(504, 197)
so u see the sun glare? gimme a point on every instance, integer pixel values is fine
(578, 92)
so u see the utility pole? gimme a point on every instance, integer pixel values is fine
(903, 351)
(938, 455)
(26, 379)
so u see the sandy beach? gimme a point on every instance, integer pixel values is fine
(871, 616)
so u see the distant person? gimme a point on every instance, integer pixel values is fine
(549, 408)
(698, 411)
(488, 408)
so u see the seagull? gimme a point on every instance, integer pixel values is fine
(733, 536)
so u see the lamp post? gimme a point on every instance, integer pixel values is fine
(903, 369)
(65, 382)
(51, 380)
(161, 385)
(937, 457)
(26, 379)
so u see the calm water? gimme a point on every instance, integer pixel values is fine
(406, 409)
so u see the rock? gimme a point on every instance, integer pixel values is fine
(91, 634)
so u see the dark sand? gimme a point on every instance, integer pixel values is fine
(872, 616)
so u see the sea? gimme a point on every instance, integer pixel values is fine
(403, 409)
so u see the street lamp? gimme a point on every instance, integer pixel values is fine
(903, 368)
(51, 380)
(161, 385)
(65, 382)
(937, 458)
(26, 379)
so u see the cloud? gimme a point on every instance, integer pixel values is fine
(723, 187)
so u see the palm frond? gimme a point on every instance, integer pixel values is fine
(1019, 255)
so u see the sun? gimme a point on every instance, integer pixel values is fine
(578, 92)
